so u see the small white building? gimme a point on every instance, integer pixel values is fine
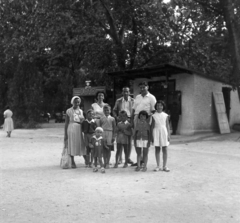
(193, 91)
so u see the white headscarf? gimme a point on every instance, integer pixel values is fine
(99, 129)
(74, 99)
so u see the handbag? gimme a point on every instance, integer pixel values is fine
(66, 161)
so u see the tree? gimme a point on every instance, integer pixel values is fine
(25, 95)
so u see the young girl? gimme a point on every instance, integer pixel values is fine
(97, 145)
(88, 127)
(108, 123)
(142, 140)
(8, 122)
(124, 131)
(161, 134)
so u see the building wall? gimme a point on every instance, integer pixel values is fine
(205, 118)
(198, 111)
(185, 84)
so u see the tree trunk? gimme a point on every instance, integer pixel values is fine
(233, 25)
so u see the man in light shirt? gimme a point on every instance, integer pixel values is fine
(124, 103)
(144, 101)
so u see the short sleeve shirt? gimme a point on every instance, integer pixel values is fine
(121, 136)
(142, 130)
(145, 103)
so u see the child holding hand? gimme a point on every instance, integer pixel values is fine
(142, 140)
(123, 131)
(97, 145)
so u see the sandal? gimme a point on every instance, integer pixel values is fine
(144, 169)
(157, 169)
(166, 169)
(125, 165)
(102, 170)
(138, 168)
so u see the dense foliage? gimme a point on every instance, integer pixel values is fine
(49, 47)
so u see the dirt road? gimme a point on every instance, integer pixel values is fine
(203, 185)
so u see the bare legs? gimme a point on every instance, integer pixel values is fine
(145, 156)
(119, 152)
(157, 155)
(107, 156)
(96, 160)
(165, 155)
(139, 158)
(139, 152)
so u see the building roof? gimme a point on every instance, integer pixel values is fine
(166, 69)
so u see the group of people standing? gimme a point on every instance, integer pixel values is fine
(142, 120)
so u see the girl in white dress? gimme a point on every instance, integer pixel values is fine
(161, 134)
(8, 122)
(73, 130)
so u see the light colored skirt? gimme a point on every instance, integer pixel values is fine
(76, 145)
(8, 125)
(160, 137)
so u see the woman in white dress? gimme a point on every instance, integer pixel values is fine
(98, 106)
(161, 134)
(73, 136)
(8, 122)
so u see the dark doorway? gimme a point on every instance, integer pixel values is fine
(166, 92)
(227, 99)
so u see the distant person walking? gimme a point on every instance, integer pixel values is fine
(73, 130)
(8, 122)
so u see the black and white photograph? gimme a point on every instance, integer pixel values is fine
(117, 111)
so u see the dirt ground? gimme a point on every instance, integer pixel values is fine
(203, 185)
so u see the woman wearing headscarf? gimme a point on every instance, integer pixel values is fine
(8, 122)
(97, 107)
(73, 136)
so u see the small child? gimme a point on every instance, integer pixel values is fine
(161, 134)
(108, 123)
(123, 132)
(97, 145)
(142, 140)
(88, 127)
